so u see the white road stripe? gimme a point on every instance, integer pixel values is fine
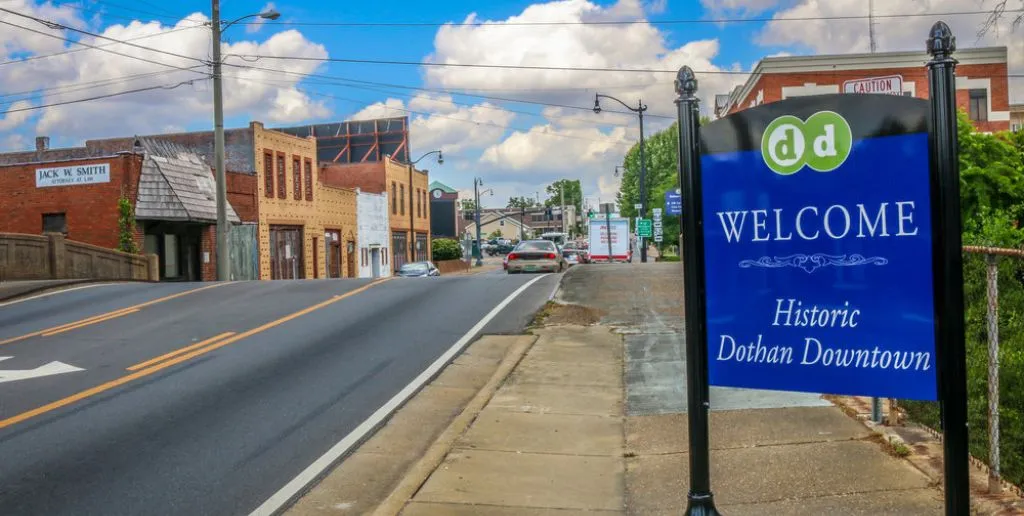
(320, 465)
(48, 294)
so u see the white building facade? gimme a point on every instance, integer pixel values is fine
(374, 234)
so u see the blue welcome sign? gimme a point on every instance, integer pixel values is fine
(673, 203)
(818, 247)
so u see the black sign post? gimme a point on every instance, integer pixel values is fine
(700, 500)
(859, 149)
(951, 354)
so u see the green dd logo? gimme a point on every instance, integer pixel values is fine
(822, 143)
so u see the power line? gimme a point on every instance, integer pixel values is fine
(72, 51)
(166, 14)
(80, 86)
(436, 90)
(463, 120)
(106, 96)
(697, 21)
(594, 121)
(855, 73)
(47, 34)
(55, 25)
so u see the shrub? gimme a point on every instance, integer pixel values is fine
(446, 249)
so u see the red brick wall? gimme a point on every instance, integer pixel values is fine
(368, 177)
(208, 244)
(91, 210)
(242, 195)
(772, 85)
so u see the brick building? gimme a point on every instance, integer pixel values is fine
(982, 82)
(76, 191)
(306, 229)
(373, 156)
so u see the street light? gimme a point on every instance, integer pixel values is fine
(477, 183)
(412, 218)
(639, 110)
(223, 252)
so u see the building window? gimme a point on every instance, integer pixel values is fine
(394, 199)
(297, 175)
(309, 180)
(268, 174)
(55, 223)
(419, 203)
(401, 198)
(1015, 126)
(978, 105)
(282, 178)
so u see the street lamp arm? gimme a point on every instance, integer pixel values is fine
(266, 15)
(440, 157)
(639, 109)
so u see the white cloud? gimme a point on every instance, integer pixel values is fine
(894, 33)
(739, 8)
(12, 120)
(257, 23)
(87, 73)
(14, 142)
(570, 142)
(439, 123)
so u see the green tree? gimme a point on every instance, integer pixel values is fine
(991, 172)
(661, 153)
(573, 193)
(494, 234)
(126, 226)
(446, 249)
(521, 202)
(468, 205)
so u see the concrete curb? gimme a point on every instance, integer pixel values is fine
(926, 457)
(418, 474)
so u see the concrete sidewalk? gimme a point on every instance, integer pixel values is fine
(591, 421)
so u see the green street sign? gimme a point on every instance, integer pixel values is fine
(644, 227)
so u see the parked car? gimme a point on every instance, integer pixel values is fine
(418, 270)
(584, 255)
(572, 257)
(505, 262)
(536, 256)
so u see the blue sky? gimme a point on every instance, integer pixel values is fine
(516, 147)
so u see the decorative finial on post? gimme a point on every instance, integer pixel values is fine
(686, 83)
(941, 42)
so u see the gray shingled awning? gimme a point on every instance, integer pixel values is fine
(176, 184)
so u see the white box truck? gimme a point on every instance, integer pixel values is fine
(600, 230)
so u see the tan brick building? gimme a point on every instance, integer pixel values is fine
(408, 202)
(306, 229)
(982, 83)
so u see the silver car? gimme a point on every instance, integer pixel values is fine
(536, 256)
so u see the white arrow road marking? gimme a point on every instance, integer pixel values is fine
(44, 370)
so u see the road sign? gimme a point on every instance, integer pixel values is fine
(656, 218)
(638, 206)
(838, 241)
(888, 85)
(643, 228)
(673, 203)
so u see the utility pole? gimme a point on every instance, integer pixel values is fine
(479, 243)
(223, 253)
(871, 24)
(561, 192)
(639, 110)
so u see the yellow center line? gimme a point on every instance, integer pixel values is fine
(49, 407)
(106, 316)
(177, 352)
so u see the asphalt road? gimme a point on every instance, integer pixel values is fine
(221, 426)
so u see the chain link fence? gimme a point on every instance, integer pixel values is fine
(994, 306)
